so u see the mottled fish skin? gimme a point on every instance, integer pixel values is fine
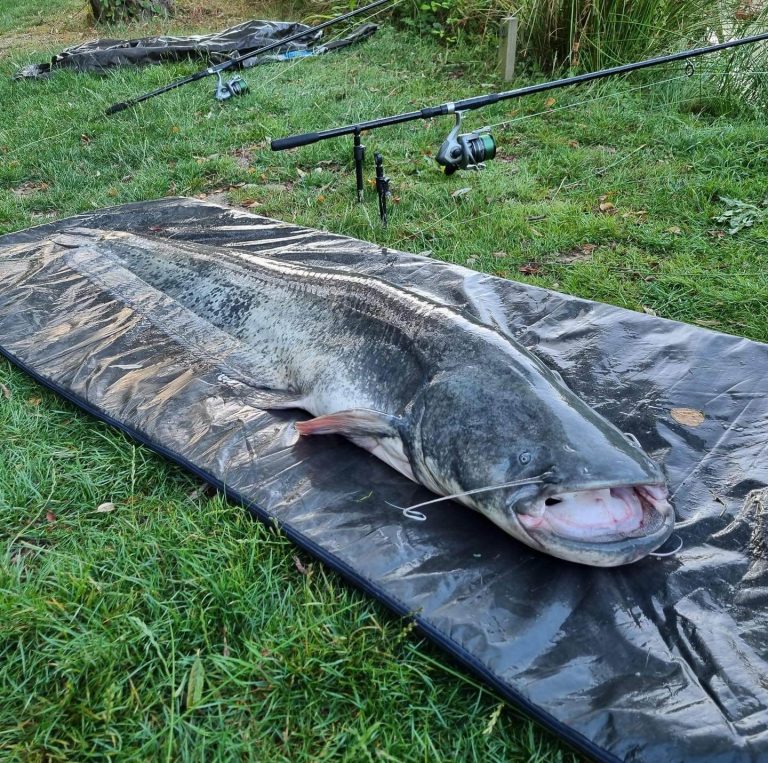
(449, 401)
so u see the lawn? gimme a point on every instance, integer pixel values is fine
(146, 618)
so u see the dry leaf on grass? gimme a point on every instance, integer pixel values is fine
(579, 254)
(104, 508)
(29, 188)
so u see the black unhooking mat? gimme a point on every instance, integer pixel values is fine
(663, 660)
(237, 41)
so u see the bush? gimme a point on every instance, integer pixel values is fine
(112, 11)
(556, 34)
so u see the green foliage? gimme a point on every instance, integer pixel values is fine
(114, 11)
(740, 75)
(592, 34)
(742, 214)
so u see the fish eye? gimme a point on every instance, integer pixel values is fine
(524, 458)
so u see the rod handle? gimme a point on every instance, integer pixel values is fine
(294, 141)
(116, 107)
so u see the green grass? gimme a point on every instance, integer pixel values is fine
(174, 627)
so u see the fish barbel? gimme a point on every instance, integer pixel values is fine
(448, 401)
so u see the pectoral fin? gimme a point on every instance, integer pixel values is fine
(359, 422)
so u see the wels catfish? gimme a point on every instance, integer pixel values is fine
(446, 400)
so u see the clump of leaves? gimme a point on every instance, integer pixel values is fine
(112, 11)
(742, 214)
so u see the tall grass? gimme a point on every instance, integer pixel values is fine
(740, 76)
(583, 34)
(591, 34)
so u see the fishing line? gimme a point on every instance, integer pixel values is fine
(665, 554)
(584, 102)
(410, 513)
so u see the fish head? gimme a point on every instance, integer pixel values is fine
(573, 485)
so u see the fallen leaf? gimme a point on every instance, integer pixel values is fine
(649, 311)
(580, 253)
(35, 401)
(299, 566)
(225, 646)
(549, 103)
(574, 143)
(50, 516)
(103, 508)
(112, 192)
(85, 139)
(201, 491)
(499, 255)
(675, 230)
(472, 260)
(195, 682)
(29, 188)
(300, 172)
(248, 203)
(530, 269)
(716, 233)
(175, 129)
(689, 417)
(6, 392)
(607, 207)
(460, 192)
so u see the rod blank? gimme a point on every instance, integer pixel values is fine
(121, 106)
(478, 102)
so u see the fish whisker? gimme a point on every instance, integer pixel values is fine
(410, 513)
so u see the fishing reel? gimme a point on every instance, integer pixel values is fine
(229, 88)
(465, 152)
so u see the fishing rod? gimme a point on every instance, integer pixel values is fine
(470, 150)
(237, 85)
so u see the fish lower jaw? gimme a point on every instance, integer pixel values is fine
(617, 525)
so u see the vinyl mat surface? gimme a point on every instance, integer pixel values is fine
(662, 660)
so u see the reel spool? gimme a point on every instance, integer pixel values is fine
(465, 152)
(232, 87)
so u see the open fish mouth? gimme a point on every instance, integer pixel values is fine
(601, 525)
